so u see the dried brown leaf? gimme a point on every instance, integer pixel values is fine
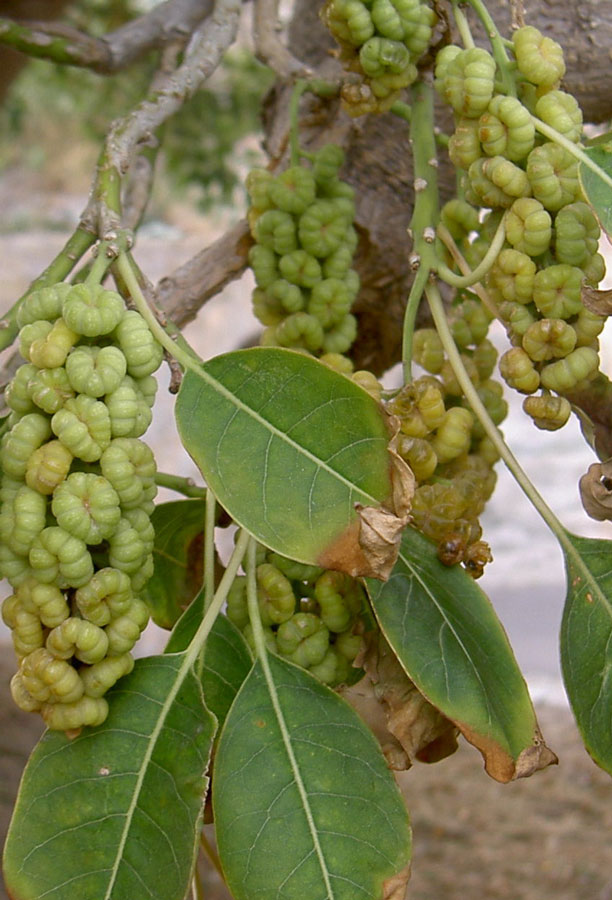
(394, 888)
(596, 490)
(369, 546)
(598, 302)
(406, 725)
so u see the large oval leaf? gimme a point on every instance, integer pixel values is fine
(304, 804)
(586, 642)
(115, 813)
(597, 190)
(451, 644)
(288, 446)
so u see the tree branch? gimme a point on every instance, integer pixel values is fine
(174, 20)
(268, 47)
(167, 95)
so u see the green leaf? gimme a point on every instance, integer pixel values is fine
(226, 660)
(597, 191)
(304, 804)
(115, 813)
(451, 644)
(586, 642)
(287, 445)
(177, 554)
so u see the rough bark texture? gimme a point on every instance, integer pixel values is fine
(379, 159)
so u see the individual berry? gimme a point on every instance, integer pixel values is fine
(78, 638)
(95, 371)
(17, 393)
(101, 676)
(539, 58)
(142, 352)
(329, 301)
(21, 441)
(513, 275)
(300, 330)
(464, 144)
(91, 310)
(86, 506)
(57, 556)
(556, 291)
(263, 261)
(553, 175)
(528, 226)
(43, 303)
(322, 228)
(469, 81)
(565, 374)
(427, 350)
(549, 339)
(518, 371)
(301, 268)
(48, 466)
(293, 191)
(303, 639)
(547, 411)
(454, 434)
(497, 182)
(562, 112)
(506, 129)
(71, 717)
(124, 631)
(83, 427)
(576, 234)
(340, 336)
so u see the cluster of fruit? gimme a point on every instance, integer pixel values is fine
(310, 616)
(381, 42)
(301, 221)
(76, 497)
(530, 186)
(443, 442)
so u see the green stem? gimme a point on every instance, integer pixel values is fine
(75, 247)
(209, 548)
(187, 358)
(575, 149)
(102, 261)
(463, 26)
(484, 266)
(437, 311)
(185, 486)
(301, 86)
(498, 46)
(219, 598)
(425, 213)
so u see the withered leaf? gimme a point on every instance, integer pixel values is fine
(394, 888)
(598, 302)
(369, 546)
(406, 725)
(596, 490)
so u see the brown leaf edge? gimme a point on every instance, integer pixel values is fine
(369, 547)
(500, 765)
(395, 888)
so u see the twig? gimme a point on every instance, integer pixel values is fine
(269, 48)
(203, 55)
(168, 22)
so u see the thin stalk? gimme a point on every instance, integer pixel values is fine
(425, 213)
(463, 26)
(498, 47)
(484, 266)
(187, 358)
(185, 486)
(404, 111)
(437, 311)
(301, 86)
(575, 149)
(209, 548)
(102, 262)
(447, 238)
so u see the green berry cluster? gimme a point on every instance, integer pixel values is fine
(76, 497)
(310, 616)
(440, 438)
(551, 234)
(381, 41)
(301, 221)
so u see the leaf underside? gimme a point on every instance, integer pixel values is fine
(328, 824)
(115, 813)
(586, 643)
(451, 644)
(287, 445)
